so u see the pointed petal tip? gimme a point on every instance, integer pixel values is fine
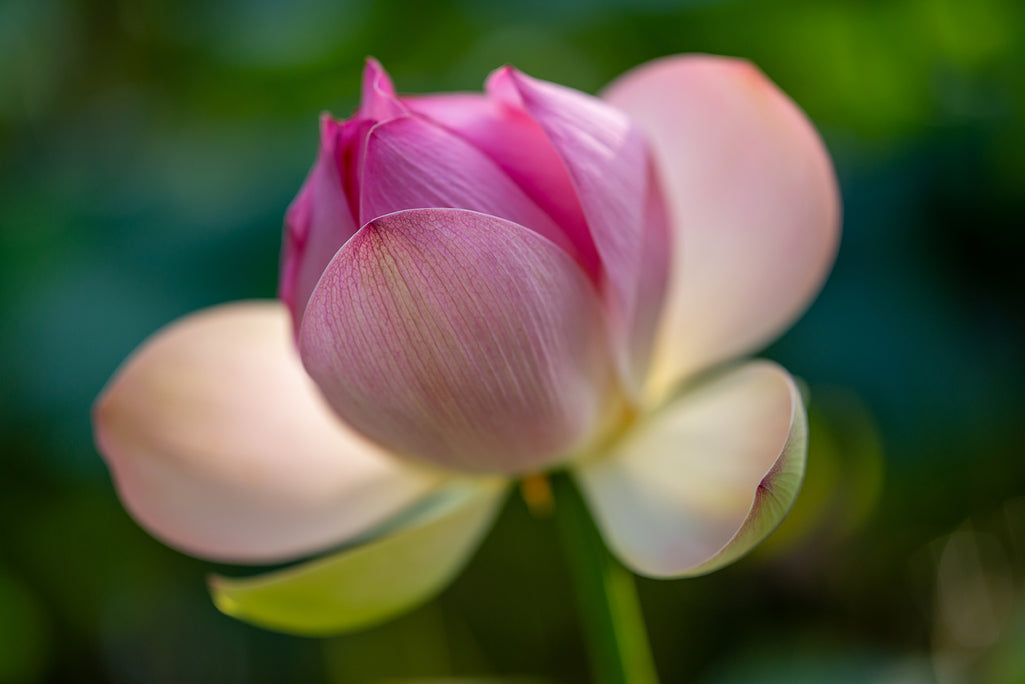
(379, 100)
(504, 71)
(502, 85)
(375, 77)
(329, 126)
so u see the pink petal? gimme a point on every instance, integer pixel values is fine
(520, 147)
(696, 485)
(318, 221)
(608, 162)
(352, 149)
(221, 446)
(754, 203)
(412, 163)
(459, 338)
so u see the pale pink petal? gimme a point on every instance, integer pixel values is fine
(607, 159)
(646, 315)
(510, 137)
(754, 202)
(318, 221)
(221, 446)
(460, 338)
(412, 163)
(697, 484)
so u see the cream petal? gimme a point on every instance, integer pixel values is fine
(370, 583)
(697, 484)
(221, 446)
(754, 203)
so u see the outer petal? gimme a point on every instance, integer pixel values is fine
(221, 446)
(318, 221)
(607, 159)
(705, 479)
(412, 163)
(460, 338)
(754, 202)
(373, 582)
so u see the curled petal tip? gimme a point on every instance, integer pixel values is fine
(700, 483)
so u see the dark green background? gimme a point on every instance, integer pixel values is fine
(148, 150)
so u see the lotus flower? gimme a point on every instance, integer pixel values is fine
(477, 288)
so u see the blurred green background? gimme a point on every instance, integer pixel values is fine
(148, 149)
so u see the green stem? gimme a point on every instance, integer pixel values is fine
(606, 595)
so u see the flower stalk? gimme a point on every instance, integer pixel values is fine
(607, 603)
